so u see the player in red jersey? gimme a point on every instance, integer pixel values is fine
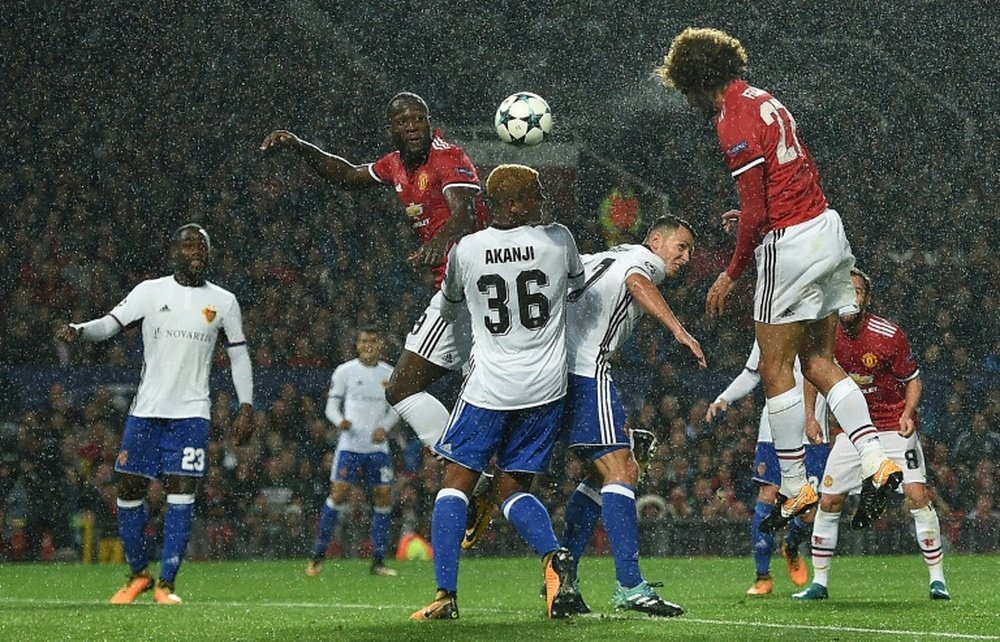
(803, 262)
(876, 354)
(438, 186)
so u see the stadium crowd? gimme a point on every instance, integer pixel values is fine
(311, 265)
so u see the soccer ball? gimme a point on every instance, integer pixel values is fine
(523, 118)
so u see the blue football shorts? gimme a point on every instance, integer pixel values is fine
(594, 419)
(767, 471)
(153, 447)
(372, 469)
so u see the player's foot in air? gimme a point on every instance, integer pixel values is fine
(644, 599)
(814, 592)
(560, 584)
(480, 514)
(444, 607)
(788, 507)
(379, 568)
(797, 571)
(939, 591)
(314, 567)
(875, 492)
(579, 606)
(761, 586)
(164, 594)
(137, 584)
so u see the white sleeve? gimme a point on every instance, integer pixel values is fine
(132, 308)
(335, 398)
(389, 419)
(98, 329)
(232, 325)
(574, 265)
(239, 362)
(741, 386)
(452, 288)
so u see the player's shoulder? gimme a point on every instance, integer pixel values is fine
(220, 292)
(555, 231)
(882, 326)
(386, 366)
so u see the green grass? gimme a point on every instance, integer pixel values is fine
(873, 598)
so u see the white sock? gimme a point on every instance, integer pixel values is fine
(787, 416)
(928, 530)
(426, 415)
(824, 543)
(847, 403)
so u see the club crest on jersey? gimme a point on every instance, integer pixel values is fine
(869, 359)
(422, 182)
(828, 481)
(209, 313)
(123, 458)
(761, 468)
(414, 210)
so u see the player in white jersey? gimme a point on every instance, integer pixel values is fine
(767, 474)
(357, 407)
(513, 278)
(621, 284)
(166, 432)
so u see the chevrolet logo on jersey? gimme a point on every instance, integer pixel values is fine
(862, 380)
(209, 313)
(414, 210)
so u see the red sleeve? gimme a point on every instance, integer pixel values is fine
(455, 168)
(753, 216)
(904, 364)
(382, 169)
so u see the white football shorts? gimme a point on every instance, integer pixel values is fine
(440, 342)
(843, 466)
(804, 272)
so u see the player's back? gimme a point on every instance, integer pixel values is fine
(754, 128)
(600, 316)
(515, 282)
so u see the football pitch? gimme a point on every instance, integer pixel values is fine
(871, 598)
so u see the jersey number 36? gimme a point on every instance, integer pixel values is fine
(532, 306)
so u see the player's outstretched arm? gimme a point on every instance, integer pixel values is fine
(649, 299)
(339, 171)
(94, 331)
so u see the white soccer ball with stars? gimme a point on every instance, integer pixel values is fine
(523, 118)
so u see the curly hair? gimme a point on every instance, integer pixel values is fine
(702, 59)
(508, 182)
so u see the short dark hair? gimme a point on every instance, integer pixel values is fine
(176, 236)
(669, 223)
(858, 272)
(368, 329)
(397, 102)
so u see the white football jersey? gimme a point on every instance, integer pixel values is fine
(601, 315)
(179, 328)
(514, 282)
(357, 392)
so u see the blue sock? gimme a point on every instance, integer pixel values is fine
(380, 532)
(447, 530)
(798, 532)
(622, 525)
(531, 521)
(763, 543)
(328, 516)
(132, 517)
(176, 532)
(582, 512)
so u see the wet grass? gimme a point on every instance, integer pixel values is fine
(874, 598)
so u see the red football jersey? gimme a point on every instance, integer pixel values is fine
(754, 129)
(422, 192)
(880, 362)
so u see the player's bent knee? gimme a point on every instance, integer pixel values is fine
(831, 503)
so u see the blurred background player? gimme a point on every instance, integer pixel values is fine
(167, 429)
(803, 263)
(356, 406)
(621, 284)
(767, 477)
(438, 186)
(876, 353)
(513, 277)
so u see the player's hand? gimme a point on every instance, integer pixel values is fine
(715, 302)
(730, 220)
(430, 253)
(718, 407)
(380, 435)
(685, 339)
(814, 431)
(345, 424)
(67, 333)
(242, 425)
(278, 138)
(907, 425)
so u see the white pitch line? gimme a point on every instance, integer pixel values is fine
(13, 601)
